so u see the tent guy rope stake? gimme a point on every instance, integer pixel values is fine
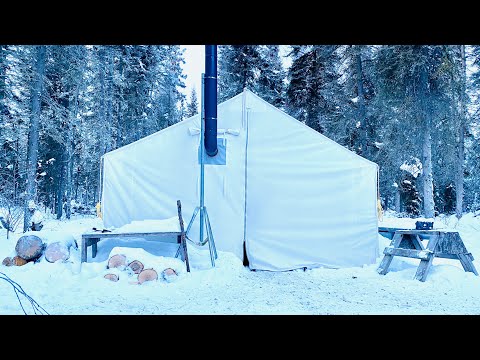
(202, 210)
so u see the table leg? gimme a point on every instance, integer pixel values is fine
(467, 263)
(84, 250)
(425, 265)
(387, 258)
(94, 247)
(180, 248)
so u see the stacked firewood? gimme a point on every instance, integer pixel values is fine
(136, 268)
(31, 248)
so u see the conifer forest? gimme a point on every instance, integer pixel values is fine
(412, 109)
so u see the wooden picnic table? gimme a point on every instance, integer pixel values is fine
(91, 238)
(441, 243)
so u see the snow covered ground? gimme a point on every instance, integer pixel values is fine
(72, 288)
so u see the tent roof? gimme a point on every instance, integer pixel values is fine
(248, 93)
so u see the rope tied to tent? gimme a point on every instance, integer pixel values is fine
(37, 309)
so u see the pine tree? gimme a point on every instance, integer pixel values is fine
(192, 105)
(271, 80)
(313, 91)
(238, 68)
(3, 77)
(472, 135)
(354, 127)
(411, 83)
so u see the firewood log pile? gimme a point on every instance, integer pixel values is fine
(118, 265)
(32, 248)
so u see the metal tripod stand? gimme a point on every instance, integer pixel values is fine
(202, 210)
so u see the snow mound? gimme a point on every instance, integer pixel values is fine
(152, 225)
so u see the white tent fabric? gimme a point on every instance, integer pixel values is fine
(294, 197)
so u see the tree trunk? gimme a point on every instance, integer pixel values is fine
(461, 139)
(397, 200)
(77, 180)
(32, 145)
(61, 185)
(361, 102)
(101, 102)
(429, 205)
(86, 190)
(3, 108)
(70, 146)
(426, 116)
(109, 102)
(16, 173)
(119, 111)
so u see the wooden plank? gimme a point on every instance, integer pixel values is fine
(446, 256)
(419, 232)
(94, 247)
(410, 253)
(183, 242)
(84, 250)
(387, 259)
(387, 231)
(134, 234)
(383, 267)
(168, 238)
(418, 242)
(424, 266)
(432, 243)
(467, 263)
(451, 243)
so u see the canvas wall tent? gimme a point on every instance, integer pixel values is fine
(293, 196)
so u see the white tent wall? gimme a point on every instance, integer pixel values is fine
(296, 198)
(310, 201)
(143, 180)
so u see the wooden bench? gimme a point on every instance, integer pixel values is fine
(441, 244)
(91, 238)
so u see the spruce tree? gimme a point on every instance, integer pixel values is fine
(192, 105)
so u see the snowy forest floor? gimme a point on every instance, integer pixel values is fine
(72, 288)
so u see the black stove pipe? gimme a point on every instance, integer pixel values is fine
(210, 84)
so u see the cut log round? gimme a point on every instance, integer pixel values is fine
(136, 266)
(147, 275)
(8, 261)
(116, 261)
(18, 261)
(56, 251)
(29, 247)
(111, 277)
(168, 274)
